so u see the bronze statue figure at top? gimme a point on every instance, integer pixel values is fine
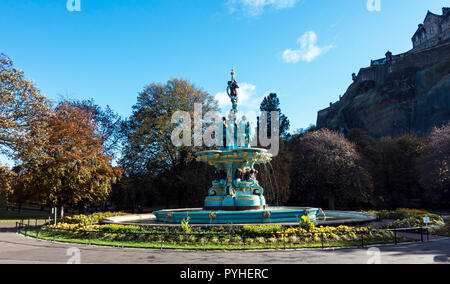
(232, 91)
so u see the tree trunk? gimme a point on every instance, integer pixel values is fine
(81, 209)
(61, 215)
(331, 202)
(181, 200)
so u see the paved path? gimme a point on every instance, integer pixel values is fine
(19, 249)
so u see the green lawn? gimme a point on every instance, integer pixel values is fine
(26, 213)
(205, 246)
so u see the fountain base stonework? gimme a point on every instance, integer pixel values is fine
(235, 186)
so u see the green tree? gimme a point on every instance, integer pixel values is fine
(149, 152)
(23, 110)
(365, 144)
(392, 164)
(327, 166)
(275, 177)
(272, 103)
(396, 175)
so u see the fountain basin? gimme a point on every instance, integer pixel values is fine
(266, 216)
(279, 215)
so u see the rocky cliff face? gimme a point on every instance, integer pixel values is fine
(409, 96)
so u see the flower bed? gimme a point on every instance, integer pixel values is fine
(403, 213)
(87, 220)
(78, 229)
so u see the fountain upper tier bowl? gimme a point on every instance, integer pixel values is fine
(237, 158)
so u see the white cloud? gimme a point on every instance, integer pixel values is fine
(308, 51)
(248, 102)
(254, 8)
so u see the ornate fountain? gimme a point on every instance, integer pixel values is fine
(235, 186)
(236, 196)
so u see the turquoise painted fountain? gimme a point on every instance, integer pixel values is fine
(235, 196)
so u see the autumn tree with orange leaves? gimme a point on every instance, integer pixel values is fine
(71, 167)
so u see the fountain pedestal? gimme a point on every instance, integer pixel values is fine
(235, 186)
(228, 201)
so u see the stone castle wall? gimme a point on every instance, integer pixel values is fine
(397, 94)
(434, 30)
(410, 93)
(412, 59)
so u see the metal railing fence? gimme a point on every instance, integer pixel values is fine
(364, 237)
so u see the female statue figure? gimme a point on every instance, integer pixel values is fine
(231, 131)
(232, 91)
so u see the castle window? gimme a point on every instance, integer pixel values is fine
(431, 30)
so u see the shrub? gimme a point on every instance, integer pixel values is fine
(260, 230)
(316, 238)
(215, 240)
(261, 240)
(226, 240)
(293, 239)
(272, 240)
(441, 229)
(192, 239)
(237, 240)
(306, 224)
(92, 219)
(185, 227)
(249, 241)
(403, 213)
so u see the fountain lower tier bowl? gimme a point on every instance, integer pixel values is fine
(269, 215)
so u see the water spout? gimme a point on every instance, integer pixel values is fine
(322, 214)
(267, 174)
(276, 184)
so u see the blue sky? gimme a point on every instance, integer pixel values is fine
(304, 50)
